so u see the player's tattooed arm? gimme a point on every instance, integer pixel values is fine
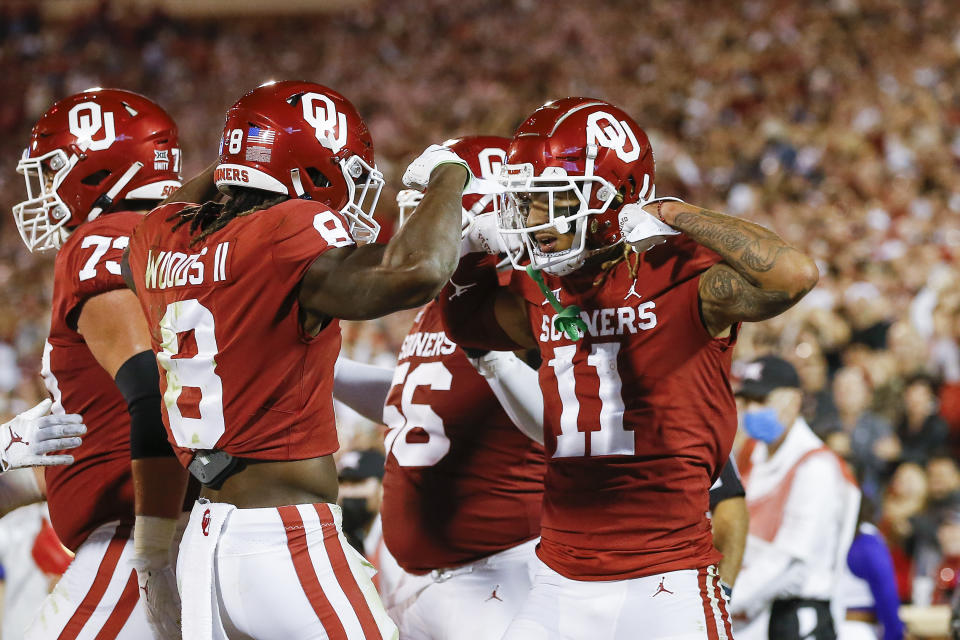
(761, 275)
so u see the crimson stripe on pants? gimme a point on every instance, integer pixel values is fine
(723, 608)
(712, 633)
(105, 571)
(341, 569)
(122, 610)
(297, 543)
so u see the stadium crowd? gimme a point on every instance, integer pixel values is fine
(835, 123)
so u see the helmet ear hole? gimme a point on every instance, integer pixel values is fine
(317, 178)
(96, 178)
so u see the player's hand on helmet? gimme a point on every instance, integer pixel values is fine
(30, 438)
(482, 235)
(417, 175)
(642, 230)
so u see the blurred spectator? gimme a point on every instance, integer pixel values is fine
(905, 498)
(869, 588)
(858, 434)
(948, 569)
(803, 512)
(922, 432)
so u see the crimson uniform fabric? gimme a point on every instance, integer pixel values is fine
(274, 395)
(645, 408)
(483, 494)
(97, 488)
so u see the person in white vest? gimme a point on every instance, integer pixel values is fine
(803, 506)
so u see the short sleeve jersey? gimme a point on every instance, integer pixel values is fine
(639, 416)
(461, 481)
(97, 488)
(237, 371)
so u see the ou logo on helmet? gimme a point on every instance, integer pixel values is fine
(491, 160)
(606, 131)
(86, 120)
(321, 114)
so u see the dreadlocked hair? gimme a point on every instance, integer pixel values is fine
(210, 217)
(626, 255)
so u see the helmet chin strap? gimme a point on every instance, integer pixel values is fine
(106, 200)
(298, 184)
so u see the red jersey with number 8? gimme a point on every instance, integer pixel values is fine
(97, 488)
(237, 371)
(639, 416)
(461, 481)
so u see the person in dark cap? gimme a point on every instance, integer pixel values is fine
(803, 507)
(360, 474)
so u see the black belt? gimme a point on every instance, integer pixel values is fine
(212, 467)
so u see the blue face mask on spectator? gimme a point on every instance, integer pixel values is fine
(763, 425)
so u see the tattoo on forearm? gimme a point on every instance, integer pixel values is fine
(741, 243)
(734, 298)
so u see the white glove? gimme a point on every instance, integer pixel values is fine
(482, 235)
(155, 544)
(26, 440)
(417, 175)
(642, 230)
(158, 591)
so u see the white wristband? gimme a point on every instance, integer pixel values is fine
(153, 535)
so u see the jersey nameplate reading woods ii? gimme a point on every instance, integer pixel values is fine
(237, 371)
(639, 416)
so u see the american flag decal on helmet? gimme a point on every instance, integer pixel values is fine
(259, 143)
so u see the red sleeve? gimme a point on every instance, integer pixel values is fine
(90, 260)
(467, 305)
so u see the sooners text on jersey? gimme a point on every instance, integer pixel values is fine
(461, 482)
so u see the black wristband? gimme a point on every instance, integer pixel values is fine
(139, 381)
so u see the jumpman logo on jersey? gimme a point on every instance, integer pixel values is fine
(460, 288)
(661, 589)
(14, 438)
(633, 291)
(556, 294)
(494, 596)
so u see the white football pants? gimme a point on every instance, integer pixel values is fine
(476, 601)
(276, 573)
(98, 597)
(679, 605)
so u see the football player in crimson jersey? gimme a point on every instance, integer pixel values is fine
(636, 348)
(462, 486)
(243, 300)
(96, 162)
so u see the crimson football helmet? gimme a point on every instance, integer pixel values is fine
(485, 155)
(89, 151)
(575, 148)
(306, 141)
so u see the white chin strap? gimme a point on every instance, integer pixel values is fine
(116, 188)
